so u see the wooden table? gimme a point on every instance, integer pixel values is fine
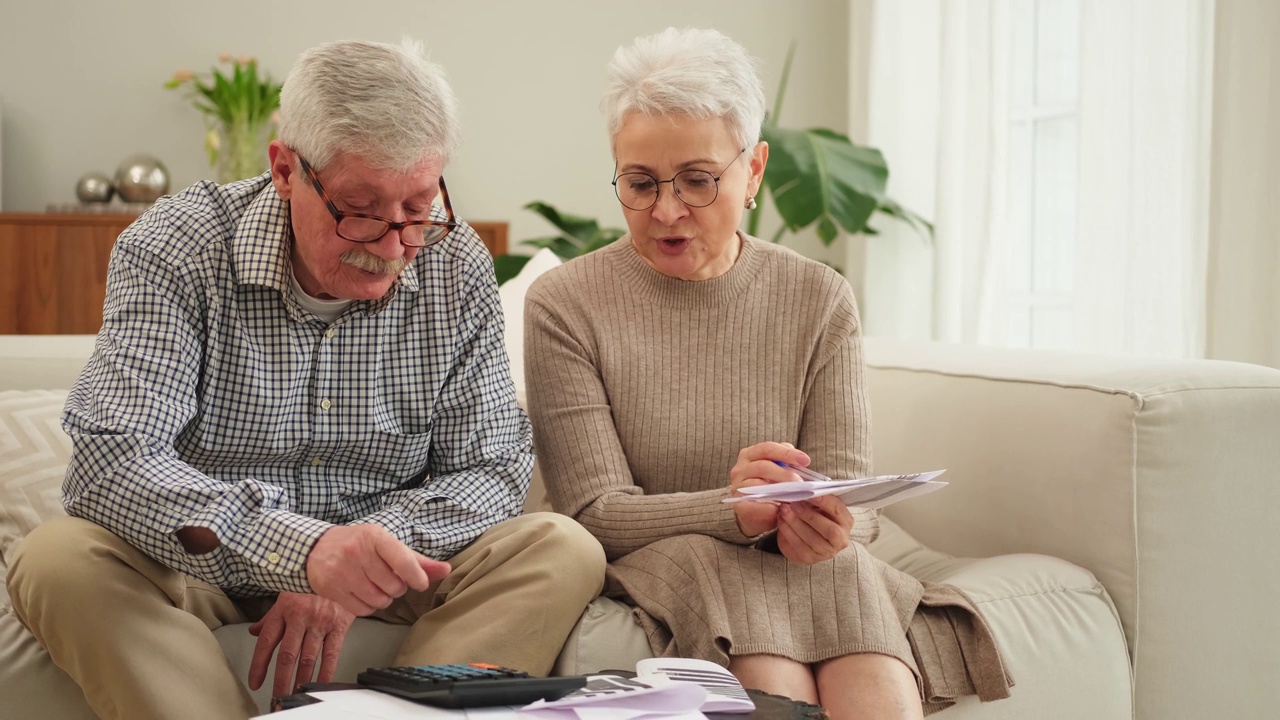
(53, 268)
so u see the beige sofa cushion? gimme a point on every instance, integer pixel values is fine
(1059, 634)
(33, 458)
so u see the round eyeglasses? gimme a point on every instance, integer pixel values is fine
(365, 228)
(695, 188)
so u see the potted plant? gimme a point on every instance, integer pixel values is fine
(240, 112)
(819, 176)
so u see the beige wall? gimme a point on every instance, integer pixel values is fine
(1243, 313)
(80, 83)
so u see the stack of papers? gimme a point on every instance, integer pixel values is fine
(608, 697)
(873, 492)
(663, 689)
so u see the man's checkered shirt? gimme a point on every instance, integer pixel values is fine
(213, 400)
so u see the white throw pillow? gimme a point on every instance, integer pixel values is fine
(34, 452)
(512, 293)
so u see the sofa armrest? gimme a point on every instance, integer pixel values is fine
(42, 362)
(1159, 476)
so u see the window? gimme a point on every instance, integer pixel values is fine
(1043, 142)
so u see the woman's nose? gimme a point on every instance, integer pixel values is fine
(669, 208)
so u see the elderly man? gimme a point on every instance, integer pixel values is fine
(299, 411)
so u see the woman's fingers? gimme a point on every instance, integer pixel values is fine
(813, 535)
(784, 452)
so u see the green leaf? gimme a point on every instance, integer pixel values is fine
(771, 119)
(222, 96)
(818, 175)
(563, 247)
(891, 208)
(581, 228)
(604, 237)
(506, 267)
(827, 231)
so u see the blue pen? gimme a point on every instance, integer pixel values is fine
(804, 473)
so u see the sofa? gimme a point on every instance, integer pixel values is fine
(1109, 515)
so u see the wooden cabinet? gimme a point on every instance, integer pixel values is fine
(53, 269)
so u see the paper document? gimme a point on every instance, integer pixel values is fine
(724, 693)
(610, 696)
(663, 689)
(873, 492)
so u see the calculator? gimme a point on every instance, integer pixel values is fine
(467, 686)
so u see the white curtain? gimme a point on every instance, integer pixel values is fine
(936, 101)
(1145, 108)
(939, 107)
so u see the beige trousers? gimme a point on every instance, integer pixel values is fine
(137, 636)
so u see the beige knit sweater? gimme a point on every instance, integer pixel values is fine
(643, 389)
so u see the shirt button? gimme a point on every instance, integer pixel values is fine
(330, 333)
(273, 558)
(315, 461)
(325, 404)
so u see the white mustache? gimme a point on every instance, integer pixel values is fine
(369, 262)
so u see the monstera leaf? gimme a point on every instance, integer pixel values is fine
(578, 236)
(819, 176)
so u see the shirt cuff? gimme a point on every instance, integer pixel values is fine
(276, 548)
(273, 546)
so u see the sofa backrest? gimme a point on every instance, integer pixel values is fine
(42, 362)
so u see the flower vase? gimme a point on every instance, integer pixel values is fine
(240, 150)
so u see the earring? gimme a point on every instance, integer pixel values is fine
(751, 203)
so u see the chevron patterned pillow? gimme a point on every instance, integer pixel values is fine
(33, 458)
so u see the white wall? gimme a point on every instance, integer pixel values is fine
(80, 84)
(1243, 314)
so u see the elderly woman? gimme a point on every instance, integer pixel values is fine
(682, 363)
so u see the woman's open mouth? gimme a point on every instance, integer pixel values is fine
(673, 245)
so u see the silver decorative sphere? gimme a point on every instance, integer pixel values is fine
(141, 178)
(94, 187)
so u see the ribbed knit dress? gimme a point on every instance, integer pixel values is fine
(643, 389)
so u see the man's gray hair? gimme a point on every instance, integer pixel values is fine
(699, 73)
(387, 103)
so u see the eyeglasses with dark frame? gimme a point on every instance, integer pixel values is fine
(366, 228)
(695, 188)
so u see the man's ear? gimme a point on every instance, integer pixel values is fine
(281, 168)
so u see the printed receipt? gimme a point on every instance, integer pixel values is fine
(873, 492)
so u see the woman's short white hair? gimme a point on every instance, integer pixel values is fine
(387, 103)
(699, 73)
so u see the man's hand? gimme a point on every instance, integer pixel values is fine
(306, 628)
(364, 567)
(814, 530)
(756, 466)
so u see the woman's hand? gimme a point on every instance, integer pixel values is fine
(814, 530)
(756, 466)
